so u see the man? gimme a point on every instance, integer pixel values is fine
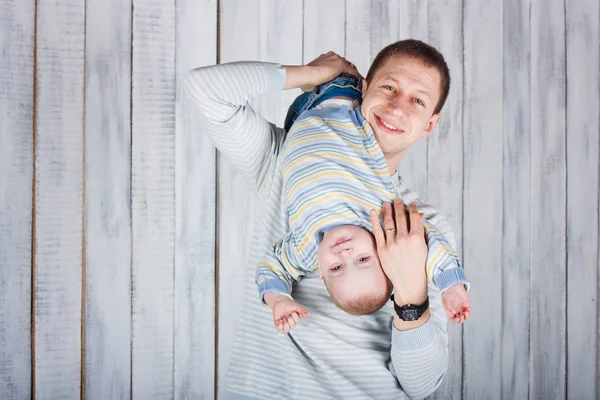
(332, 354)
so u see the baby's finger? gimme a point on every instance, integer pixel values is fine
(295, 317)
(291, 321)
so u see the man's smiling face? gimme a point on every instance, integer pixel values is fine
(399, 103)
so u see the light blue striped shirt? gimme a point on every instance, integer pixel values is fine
(332, 355)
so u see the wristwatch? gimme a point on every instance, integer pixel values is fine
(410, 312)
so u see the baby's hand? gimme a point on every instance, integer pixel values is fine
(286, 312)
(456, 303)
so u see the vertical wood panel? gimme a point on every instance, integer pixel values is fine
(582, 70)
(445, 159)
(548, 201)
(515, 202)
(324, 28)
(482, 224)
(385, 24)
(358, 28)
(153, 198)
(17, 23)
(108, 200)
(58, 198)
(195, 213)
(235, 193)
(413, 24)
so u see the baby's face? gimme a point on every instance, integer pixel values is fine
(349, 264)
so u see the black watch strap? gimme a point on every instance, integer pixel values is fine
(410, 312)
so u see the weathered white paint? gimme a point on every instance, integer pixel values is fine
(153, 198)
(583, 127)
(17, 21)
(194, 357)
(108, 200)
(58, 203)
(515, 202)
(324, 28)
(413, 24)
(482, 202)
(445, 160)
(235, 193)
(548, 201)
(518, 165)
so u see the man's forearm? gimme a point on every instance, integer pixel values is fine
(298, 76)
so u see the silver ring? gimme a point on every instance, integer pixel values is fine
(390, 230)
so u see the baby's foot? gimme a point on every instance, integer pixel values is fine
(456, 303)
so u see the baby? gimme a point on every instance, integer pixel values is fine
(334, 173)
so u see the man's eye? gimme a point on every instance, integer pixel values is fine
(418, 101)
(388, 87)
(363, 259)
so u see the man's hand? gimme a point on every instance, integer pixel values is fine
(286, 312)
(456, 303)
(320, 70)
(402, 251)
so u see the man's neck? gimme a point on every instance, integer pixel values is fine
(393, 161)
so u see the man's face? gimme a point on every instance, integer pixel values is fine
(399, 102)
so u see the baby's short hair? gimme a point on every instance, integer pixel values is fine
(367, 303)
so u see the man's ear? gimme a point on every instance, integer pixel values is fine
(435, 118)
(363, 85)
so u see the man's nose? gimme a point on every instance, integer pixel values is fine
(396, 106)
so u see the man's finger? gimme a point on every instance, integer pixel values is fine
(377, 231)
(291, 322)
(388, 222)
(416, 222)
(400, 214)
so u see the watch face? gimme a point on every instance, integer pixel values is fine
(410, 315)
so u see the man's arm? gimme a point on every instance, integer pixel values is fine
(220, 94)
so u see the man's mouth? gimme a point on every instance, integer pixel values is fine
(386, 126)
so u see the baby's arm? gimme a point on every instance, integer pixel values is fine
(274, 279)
(443, 267)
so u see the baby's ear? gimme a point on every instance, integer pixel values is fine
(320, 272)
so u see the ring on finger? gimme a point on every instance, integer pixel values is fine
(390, 229)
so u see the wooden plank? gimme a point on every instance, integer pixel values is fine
(482, 221)
(107, 200)
(359, 21)
(445, 160)
(582, 124)
(58, 202)
(195, 213)
(235, 193)
(16, 171)
(515, 199)
(548, 201)
(324, 28)
(413, 24)
(153, 198)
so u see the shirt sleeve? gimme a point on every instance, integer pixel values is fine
(443, 265)
(276, 272)
(220, 95)
(419, 357)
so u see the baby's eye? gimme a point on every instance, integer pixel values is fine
(336, 268)
(363, 259)
(418, 101)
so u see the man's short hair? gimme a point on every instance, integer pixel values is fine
(421, 51)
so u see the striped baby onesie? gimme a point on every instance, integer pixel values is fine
(334, 173)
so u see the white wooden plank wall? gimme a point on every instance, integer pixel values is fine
(58, 198)
(17, 21)
(194, 352)
(482, 201)
(107, 318)
(153, 198)
(124, 236)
